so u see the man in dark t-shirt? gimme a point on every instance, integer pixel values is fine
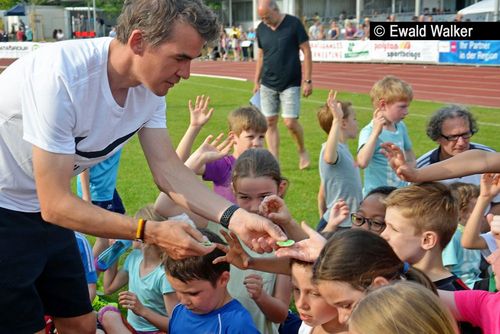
(278, 74)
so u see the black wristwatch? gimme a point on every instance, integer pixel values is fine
(308, 81)
(226, 216)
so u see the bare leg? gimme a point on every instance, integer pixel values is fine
(113, 323)
(297, 133)
(273, 136)
(84, 324)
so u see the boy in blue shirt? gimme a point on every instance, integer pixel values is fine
(391, 98)
(205, 304)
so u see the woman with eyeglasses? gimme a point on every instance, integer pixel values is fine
(369, 216)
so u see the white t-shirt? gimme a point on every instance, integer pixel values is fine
(58, 98)
(305, 329)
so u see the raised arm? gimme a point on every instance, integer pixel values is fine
(199, 116)
(85, 183)
(365, 153)
(471, 237)
(330, 154)
(210, 150)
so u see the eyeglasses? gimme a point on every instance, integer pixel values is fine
(464, 136)
(373, 225)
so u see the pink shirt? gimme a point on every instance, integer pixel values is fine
(480, 308)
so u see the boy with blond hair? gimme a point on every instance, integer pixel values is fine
(390, 98)
(421, 220)
(205, 304)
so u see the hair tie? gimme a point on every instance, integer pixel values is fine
(406, 267)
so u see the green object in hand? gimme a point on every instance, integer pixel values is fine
(286, 243)
(206, 243)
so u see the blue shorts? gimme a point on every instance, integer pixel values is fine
(42, 273)
(114, 205)
(289, 99)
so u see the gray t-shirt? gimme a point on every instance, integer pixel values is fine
(340, 180)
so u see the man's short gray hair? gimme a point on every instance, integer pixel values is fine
(156, 19)
(436, 121)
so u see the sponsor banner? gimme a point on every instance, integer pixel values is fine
(17, 49)
(436, 31)
(340, 50)
(470, 52)
(404, 51)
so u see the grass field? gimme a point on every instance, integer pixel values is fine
(135, 182)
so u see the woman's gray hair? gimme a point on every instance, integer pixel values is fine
(435, 125)
(156, 19)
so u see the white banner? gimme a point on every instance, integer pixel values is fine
(17, 49)
(405, 51)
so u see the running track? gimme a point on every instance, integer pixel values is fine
(449, 84)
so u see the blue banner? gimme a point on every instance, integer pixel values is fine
(470, 52)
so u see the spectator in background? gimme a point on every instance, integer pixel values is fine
(20, 36)
(314, 30)
(391, 18)
(29, 34)
(334, 31)
(112, 32)
(4, 36)
(350, 30)
(59, 35)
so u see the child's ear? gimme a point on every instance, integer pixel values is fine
(224, 278)
(283, 186)
(429, 240)
(381, 104)
(379, 281)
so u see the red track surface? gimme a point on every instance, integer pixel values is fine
(450, 84)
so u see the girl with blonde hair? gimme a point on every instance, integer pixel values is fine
(401, 307)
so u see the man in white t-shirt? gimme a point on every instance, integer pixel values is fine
(70, 105)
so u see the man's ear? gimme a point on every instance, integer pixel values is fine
(379, 281)
(429, 240)
(136, 42)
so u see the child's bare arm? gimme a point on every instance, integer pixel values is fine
(338, 213)
(448, 298)
(114, 279)
(275, 306)
(85, 183)
(330, 154)
(321, 200)
(365, 153)
(199, 116)
(236, 255)
(274, 208)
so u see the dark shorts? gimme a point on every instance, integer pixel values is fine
(115, 205)
(41, 273)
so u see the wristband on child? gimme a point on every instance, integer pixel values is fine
(141, 227)
(226, 216)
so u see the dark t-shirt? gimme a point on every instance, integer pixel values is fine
(281, 68)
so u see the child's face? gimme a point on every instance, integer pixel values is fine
(251, 191)
(199, 296)
(312, 307)
(372, 208)
(351, 125)
(396, 111)
(340, 295)
(400, 233)
(248, 139)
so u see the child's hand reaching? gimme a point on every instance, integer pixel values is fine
(129, 300)
(495, 227)
(274, 208)
(235, 254)
(339, 212)
(213, 149)
(306, 250)
(398, 163)
(199, 114)
(490, 185)
(254, 285)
